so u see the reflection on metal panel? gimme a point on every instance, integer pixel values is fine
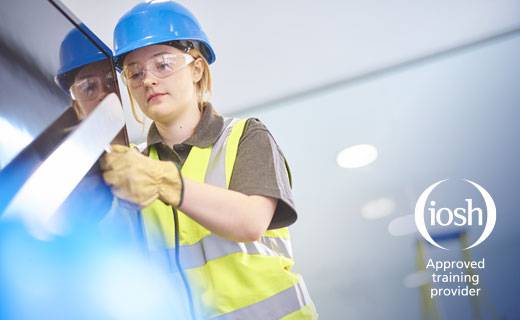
(30, 36)
(41, 49)
(59, 174)
(55, 73)
(14, 175)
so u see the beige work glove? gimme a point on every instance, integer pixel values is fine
(141, 180)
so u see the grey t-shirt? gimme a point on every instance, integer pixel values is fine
(260, 167)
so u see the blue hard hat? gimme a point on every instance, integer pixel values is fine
(156, 22)
(76, 51)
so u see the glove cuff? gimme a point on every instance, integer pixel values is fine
(171, 185)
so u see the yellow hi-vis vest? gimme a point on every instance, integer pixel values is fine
(230, 280)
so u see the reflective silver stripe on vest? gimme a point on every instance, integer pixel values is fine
(216, 172)
(213, 247)
(274, 307)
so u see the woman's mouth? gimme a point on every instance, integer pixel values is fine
(154, 96)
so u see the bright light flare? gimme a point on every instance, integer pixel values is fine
(357, 156)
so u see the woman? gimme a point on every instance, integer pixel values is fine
(85, 72)
(232, 191)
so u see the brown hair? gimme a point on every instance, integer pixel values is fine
(204, 84)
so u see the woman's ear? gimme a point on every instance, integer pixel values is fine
(197, 70)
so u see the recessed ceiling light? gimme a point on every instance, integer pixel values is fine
(357, 156)
(379, 208)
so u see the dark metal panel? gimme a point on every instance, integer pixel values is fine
(50, 140)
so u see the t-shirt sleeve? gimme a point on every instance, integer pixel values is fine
(260, 169)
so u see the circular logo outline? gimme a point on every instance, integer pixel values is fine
(490, 216)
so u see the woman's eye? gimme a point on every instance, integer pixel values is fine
(163, 66)
(88, 88)
(91, 88)
(134, 76)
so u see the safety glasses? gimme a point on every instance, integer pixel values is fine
(92, 88)
(161, 66)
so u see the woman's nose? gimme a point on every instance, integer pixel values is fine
(149, 79)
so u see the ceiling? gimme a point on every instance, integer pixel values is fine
(267, 50)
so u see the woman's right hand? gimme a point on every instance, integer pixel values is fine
(141, 180)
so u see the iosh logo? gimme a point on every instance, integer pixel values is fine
(463, 216)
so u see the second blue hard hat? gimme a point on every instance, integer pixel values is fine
(76, 51)
(156, 22)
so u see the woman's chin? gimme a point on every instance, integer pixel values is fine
(159, 112)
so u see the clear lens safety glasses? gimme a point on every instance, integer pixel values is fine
(92, 88)
(161, 66)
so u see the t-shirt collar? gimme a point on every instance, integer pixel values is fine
(205, 134)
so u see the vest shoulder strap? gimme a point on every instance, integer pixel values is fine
(232, 147)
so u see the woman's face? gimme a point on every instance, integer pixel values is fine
(91, 85)
(162, 99)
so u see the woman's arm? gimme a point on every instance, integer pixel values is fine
(228, 213)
